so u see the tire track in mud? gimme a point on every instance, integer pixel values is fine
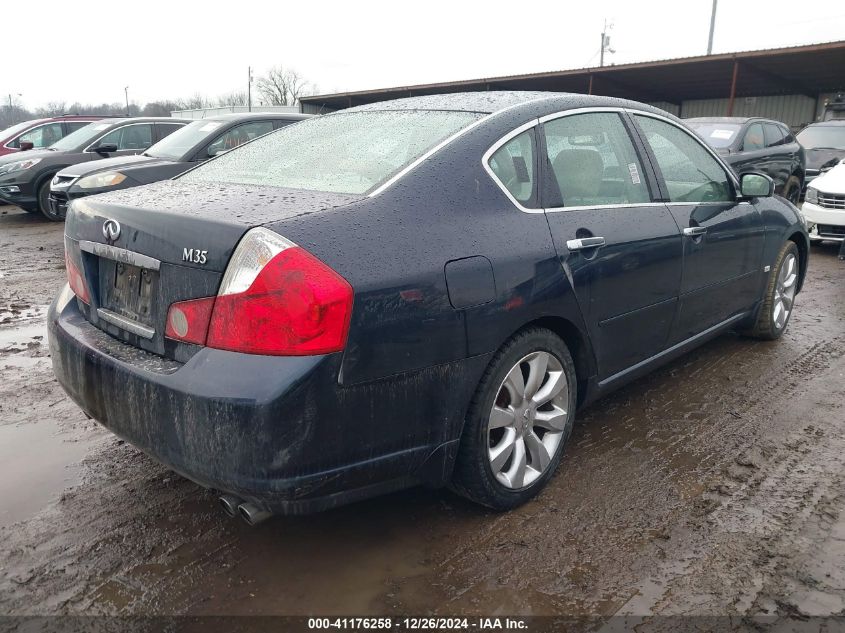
(742, 423)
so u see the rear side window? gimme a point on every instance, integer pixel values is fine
(774, 135)
(513, 164)
(72, 126)
(166, 129)
(591, 161)
(690, 172)
(754, 138)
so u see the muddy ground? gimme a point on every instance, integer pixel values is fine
(714, 486)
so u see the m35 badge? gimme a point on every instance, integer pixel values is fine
(194, 256)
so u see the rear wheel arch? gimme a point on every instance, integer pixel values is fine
(577, 342)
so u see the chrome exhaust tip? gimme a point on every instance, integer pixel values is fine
(252, 514)
(230, 504)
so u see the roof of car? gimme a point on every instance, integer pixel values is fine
(727, 119)
(832, 122)
(493, 101)
(247, 116)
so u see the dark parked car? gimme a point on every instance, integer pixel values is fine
(754, 144)
(25, 178)
(185, 148)
(421, 290)
(40, 133)
(824, 144)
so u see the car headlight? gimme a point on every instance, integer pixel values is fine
(812, 195)
(19, 165)
(98, 181)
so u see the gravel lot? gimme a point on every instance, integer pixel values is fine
(716, 485)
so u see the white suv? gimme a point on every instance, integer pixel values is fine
(824, 205)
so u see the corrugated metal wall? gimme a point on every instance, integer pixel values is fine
(671, 108)
(794, 110)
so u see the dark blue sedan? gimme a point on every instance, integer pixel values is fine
(416, 291)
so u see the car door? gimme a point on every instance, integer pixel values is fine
(723, 237)
(753, 155)
(780, 156)
(620, 248)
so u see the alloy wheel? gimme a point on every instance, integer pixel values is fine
(785, 287)
(528, 419)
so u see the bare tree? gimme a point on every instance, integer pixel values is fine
(283, 86)
(197, 102)
(234, 98)
(53, 108)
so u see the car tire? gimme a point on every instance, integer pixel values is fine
(537, 426)
(44, 202)
(792, 190)
(779, 299)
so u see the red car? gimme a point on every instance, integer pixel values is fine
(40, 133)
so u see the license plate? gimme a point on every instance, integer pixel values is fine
(128, 290)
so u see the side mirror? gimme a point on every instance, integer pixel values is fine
(25, 145)
(756, 186)
(106, 148)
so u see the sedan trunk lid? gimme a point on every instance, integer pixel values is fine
(142, 249)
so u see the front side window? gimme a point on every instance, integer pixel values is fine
(754, 138)
(513, 164)
(690, 172)
(131, 137)
(345, 152)
(42, 136)
(239, 135)
(591, 161)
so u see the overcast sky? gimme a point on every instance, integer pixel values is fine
(88, 50)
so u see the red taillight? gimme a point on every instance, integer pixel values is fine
(188, 320)
(76, 280)
(296, 306)
(275, 299)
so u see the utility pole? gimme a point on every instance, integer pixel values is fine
(605, 41)
(126, 91)
(712, 28)
(249, 88)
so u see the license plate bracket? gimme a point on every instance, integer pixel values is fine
(128, 290)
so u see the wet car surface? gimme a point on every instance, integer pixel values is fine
(712, 486)
(341, 356)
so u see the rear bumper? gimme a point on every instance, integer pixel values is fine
(277, 431)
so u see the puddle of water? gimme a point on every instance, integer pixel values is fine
(25, 314)
(36, 465)
(21, 361)
(21, 335)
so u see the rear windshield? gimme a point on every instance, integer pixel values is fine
(347, 152)
(176, 145)
(82, 136)
(718, 135)
(822, 137)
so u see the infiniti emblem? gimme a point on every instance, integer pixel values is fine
(111, 230)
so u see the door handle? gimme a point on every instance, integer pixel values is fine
(695, 231)
(584, 243)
